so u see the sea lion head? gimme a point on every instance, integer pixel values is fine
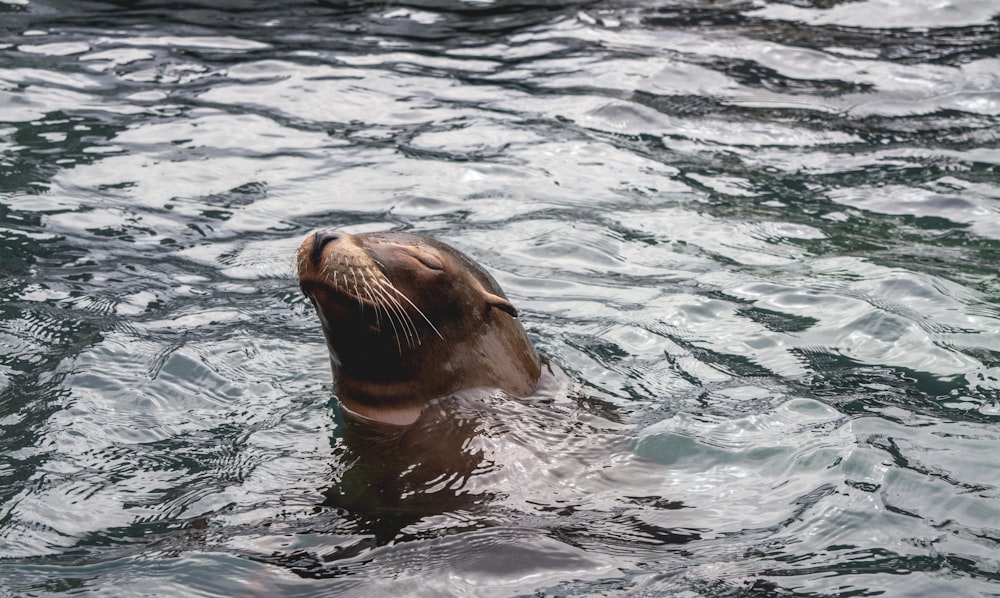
(409, 319)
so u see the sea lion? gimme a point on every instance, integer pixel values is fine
(409, 319)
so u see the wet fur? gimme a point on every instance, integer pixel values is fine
(409, 319)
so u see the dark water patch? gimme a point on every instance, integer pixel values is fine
(923, 42)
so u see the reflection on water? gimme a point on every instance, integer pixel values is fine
(760, 238)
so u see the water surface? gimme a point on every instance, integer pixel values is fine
(760, 237)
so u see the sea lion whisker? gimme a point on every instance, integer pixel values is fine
(357, 291)
(379, 303)
(389, 313)
(419, 311)
(367, 286)
(408, 325)
(331, 273)
(393, 313)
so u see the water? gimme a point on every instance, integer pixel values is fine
(761, 239)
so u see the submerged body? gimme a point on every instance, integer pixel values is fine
(409, 319)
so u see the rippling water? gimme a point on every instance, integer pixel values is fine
(761, 238)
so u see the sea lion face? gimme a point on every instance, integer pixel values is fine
(409, 319)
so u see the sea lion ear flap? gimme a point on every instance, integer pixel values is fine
(501, 303)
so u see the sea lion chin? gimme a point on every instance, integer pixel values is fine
(409, 319)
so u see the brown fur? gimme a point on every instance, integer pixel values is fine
(409, 319)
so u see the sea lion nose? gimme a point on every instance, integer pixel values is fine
(321, 240)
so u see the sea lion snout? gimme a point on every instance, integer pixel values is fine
(320, 240)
